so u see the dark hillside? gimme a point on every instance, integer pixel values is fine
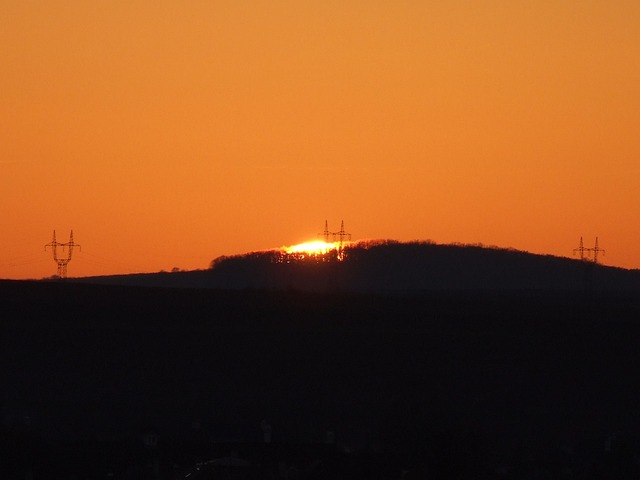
(393, 266)
(456, 383)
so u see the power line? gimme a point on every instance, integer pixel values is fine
(341, 235)
(588, 254)
(335, 236)
(62, 261)
(326, 232)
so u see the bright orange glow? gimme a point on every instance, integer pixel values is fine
(169, 133)
(313, 248)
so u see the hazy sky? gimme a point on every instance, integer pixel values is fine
(166, 133)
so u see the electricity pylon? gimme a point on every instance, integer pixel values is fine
(336, 237)
(62, 261)
(326, 232)
(582, 250)
(595, 251)
(342, 234)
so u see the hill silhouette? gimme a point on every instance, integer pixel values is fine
(459, 361)
(394, 266)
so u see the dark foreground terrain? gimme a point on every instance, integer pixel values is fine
(124, 382)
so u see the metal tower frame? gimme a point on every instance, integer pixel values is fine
(62, 261)
(586, 252)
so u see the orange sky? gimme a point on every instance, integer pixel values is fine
(166, 133)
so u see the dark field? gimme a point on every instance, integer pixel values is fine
(435, 385)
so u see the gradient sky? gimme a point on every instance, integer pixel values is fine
(166, 133)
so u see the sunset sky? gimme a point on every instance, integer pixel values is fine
(166, 133)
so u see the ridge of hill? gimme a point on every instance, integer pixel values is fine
(466, 379)
(393, 266)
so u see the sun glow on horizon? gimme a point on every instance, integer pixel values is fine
(314, 250)
(316, 247)
(252, 126)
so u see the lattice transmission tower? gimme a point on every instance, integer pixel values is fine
(588, 254)
(64, 260)
(341, 235)
(326, 232)
(335, 236)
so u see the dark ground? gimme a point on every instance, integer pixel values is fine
(435, 385)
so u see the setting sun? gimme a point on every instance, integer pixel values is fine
(316, 250)
(316, 247)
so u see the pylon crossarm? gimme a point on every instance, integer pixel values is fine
(62, 262)
(591, 253)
